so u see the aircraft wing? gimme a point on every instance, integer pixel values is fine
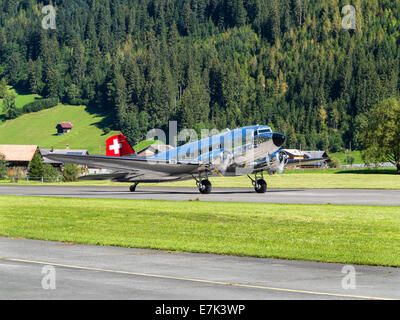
(129, 164)
(299, 162)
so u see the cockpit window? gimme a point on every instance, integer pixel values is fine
(264, 131)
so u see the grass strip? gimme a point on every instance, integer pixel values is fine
(330, 233)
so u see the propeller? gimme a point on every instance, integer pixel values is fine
(282, 158)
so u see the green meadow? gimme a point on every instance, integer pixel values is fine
(330, 233)
(341, 156)
(39, 128)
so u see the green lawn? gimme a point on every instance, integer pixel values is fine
(330, 233)
(341, 157)
(39, 128)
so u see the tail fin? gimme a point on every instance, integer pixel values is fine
(118, 146)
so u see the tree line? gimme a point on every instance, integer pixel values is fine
(210, 63)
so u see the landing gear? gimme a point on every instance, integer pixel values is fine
(132, 188)
(203, 184)
(260, 186)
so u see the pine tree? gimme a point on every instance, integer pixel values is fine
(9, 106)
(3, 166)
(52, 81)
(35, 76)
(36, 166)
(3, 88)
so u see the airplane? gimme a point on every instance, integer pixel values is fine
(250, 150)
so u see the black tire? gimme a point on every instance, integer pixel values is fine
(261, 186)
(205, 187)
(132, 188)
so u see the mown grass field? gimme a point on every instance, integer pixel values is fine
(330, 233)
(335, 179)
(39, 128)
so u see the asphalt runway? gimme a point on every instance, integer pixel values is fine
(33, 269)
(300, 196)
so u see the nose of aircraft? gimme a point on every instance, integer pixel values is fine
(278, 139)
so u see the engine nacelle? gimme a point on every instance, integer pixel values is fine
(279, 161)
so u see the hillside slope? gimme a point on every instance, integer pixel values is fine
(39, 128)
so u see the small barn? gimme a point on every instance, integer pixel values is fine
(64, 127)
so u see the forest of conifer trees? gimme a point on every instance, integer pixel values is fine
(209, 63)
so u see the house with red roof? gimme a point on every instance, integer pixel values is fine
(64, 127)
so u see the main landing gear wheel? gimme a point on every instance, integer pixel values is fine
(132, 188)
(205, 187)
(261, 186)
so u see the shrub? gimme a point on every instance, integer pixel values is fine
(38, 105)
(49, 172)
(70, 172)
(334, 163)
(349, 159)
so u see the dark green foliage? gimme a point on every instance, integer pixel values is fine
(35, 169)
(349, 159)
(380, 133)
(50, 173)
(38, 105)
(70, 172)
(211, 63)
(334, 163)
(9, 106)
(3, 166)
(3, 88)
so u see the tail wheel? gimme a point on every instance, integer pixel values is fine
(132, 188)
(261, 186)
(205, 187)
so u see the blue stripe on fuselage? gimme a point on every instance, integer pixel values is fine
(212, 145)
